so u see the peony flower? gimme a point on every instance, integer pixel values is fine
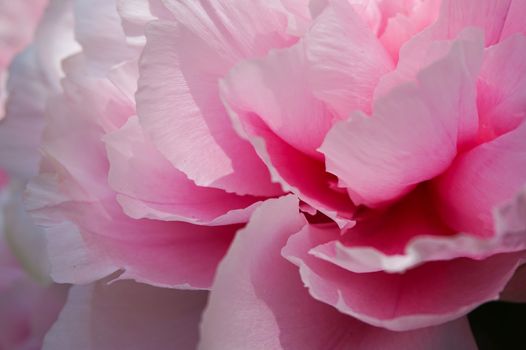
(400, 122)
(29, 304)
(392, 132)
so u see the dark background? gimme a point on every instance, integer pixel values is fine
(499, 326)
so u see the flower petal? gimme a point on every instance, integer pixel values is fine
(345, 60)
(149, 187)
(502, 87)
(127, 315)
(412, 134)
(259, 302)
(480, 181)
(272, 117)
(431, 294)
(178, 98)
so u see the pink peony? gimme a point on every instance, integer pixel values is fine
(393, 130)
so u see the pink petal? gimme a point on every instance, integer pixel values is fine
(411, 233)
(502, 87)
(431, 294)
(276, 90)
(345, 60)
(455, 15)
(149, 187)
(136, 14)
(98, 30)
(259, 302)
(72, 199)
(178, 99)
(127, 315)
(411, 136)
(482, 179)
(91, 240)
(294, 170)
(513, 23)
(403, 24)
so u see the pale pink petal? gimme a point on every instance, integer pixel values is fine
(400, 301)
(127, 315)
(455, 15)
(345, 60)
(98, 30)
(502, 87)
(148, 186)
(259, 302)
(405, 23)
(20, 131)
(482, 179)
(411, 136)
(36, 72)
(276, 90)
(178, 99)
(18, 20)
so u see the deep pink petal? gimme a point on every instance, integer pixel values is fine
(259, 302)
(431, 294)
(294, 170)
(127, 315)
(411, 233)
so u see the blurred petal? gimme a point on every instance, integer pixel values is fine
(127, 315)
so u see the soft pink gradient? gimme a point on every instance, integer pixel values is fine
(28, 307)
(397, 126)
(18, 20)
